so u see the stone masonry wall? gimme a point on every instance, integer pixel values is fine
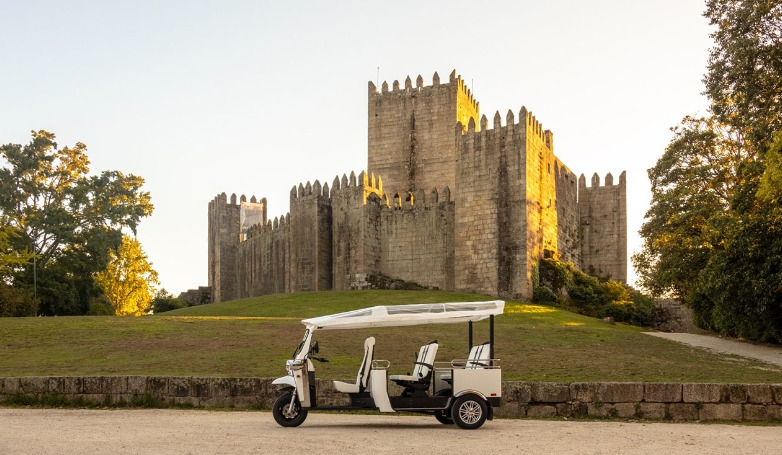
(410, 132)
(603, 211)
(624, 400)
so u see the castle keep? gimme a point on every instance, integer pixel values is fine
(448, 201)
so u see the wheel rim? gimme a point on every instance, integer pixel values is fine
(470, 412)
(290, 411)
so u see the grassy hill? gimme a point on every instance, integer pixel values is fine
(254, 337)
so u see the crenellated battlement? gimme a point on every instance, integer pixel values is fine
(530, 124)
(398, 90)
(609, 180)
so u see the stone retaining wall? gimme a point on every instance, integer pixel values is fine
(626, 400)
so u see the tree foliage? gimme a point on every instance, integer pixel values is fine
(165, 301)
(129, 279)
(713, 234)
(69, 220)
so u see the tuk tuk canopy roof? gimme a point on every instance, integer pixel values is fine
(404, 315)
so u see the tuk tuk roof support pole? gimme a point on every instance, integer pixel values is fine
(491, 338)
(470, 335)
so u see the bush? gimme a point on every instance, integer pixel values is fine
(544, 294)
(589, 295)
(16, 303)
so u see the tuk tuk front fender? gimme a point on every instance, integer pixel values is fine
(285, 380)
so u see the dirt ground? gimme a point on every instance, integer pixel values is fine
(768, 354)
(165, 431)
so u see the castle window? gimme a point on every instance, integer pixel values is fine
(548, 165)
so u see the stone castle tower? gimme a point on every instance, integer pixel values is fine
(449, 203)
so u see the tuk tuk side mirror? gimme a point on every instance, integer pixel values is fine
(315, 348)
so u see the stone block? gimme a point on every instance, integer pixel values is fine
(510, 411)
(721, 411)
(34, 384)
(246, 387)
(179, 386)
(619, 392)
(73, 385)
(221, 387)
(541, 410)
(756, 412)
(737, 393)
(655, 392)
(137, 385)
(582, 391)
(550, 392)
(702, 393)
(516, 392)
(600, 409)
(157, 387)
(115, 385)
(683, 411)
(11, 386)
(652, 410)
(564, 409)
(776, 391)
(625, 410)
(201, 387)
(93, 385)
(56, 385)
(759, 394)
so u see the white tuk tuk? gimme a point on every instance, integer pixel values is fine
(462, 391)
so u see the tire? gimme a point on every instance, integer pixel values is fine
(469, 411)
(443, 417)
(282, 415)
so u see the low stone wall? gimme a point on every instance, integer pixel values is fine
(625, 400)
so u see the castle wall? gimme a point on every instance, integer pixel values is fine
(417, 240)
(223, 234)
(311, 242)
(355, 233)
(263, 259)
(410, 135)
(603, 214)
(568, 218)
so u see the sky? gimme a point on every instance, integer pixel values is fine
(255, 97)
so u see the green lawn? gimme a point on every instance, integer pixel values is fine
(254, 337)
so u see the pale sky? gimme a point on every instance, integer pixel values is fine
(255, 97)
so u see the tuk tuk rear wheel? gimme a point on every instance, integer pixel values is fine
(469, 411)
(287, 415)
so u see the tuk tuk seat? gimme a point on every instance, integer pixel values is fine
(362, 378)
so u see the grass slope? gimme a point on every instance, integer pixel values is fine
(254, 337)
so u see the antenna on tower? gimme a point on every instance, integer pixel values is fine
(377, 84)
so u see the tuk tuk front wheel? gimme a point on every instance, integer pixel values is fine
(469, 411)
(288, 415)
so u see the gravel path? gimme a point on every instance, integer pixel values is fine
(768, 354)
(165, 431)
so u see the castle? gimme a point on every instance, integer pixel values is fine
(447, 203)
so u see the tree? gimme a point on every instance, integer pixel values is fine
(66, 218)
(713, 234)
(165, 301)
(129, 280)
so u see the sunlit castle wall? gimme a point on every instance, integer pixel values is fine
(410, 137)
(505, 213)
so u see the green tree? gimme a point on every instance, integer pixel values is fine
(68, 219)
(713, 232)
(165, 301)
(129, 280)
